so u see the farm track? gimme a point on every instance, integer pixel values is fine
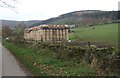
(11, 66)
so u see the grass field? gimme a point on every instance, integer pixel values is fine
(107, 34)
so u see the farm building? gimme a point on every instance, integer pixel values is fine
(47, 33)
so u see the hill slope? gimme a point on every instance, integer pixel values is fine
(12, 23)
(87, 17)
(102, 34)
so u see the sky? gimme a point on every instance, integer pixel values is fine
(45, 9)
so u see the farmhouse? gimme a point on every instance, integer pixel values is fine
(47, 33)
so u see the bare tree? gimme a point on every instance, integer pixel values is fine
(6, 4)
(18, 32)
(6, 31)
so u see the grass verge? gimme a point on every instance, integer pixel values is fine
(44, 62)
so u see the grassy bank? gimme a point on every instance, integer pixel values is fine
(44, 62)
(24, 55)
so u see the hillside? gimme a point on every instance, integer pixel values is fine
(101, 34)
(85, 17)
(12, 23)
(78, 18)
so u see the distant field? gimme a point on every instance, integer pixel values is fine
(107, 34)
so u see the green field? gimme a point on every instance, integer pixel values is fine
(107, 34)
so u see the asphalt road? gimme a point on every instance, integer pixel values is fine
(11, 66)
(0, 61)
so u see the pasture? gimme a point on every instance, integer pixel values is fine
(105, 34)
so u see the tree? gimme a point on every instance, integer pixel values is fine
(6, 32)
(18, 32)
(6, 4)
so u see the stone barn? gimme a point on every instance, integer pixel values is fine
(47, 33)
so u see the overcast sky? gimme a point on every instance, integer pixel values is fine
(45, 9)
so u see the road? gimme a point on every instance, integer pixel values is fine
(0, 61)
(11, 66)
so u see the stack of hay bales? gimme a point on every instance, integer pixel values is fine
(47, 33)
